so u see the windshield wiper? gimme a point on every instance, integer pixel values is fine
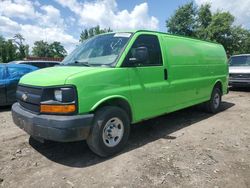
(82, 63)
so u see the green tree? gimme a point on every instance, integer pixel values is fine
(88, 33)
(220, 30)
(202, 24)
(2, 49)
(44, 49)
(91, 32)
(183, 22)
(10, 50)
(22, 49)
(240, 40)
(84, 35)
(57, 50)
(41, 49)
(204, 19)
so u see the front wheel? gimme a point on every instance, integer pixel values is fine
(110, 131)
(213, 105)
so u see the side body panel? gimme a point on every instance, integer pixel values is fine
(194, 68)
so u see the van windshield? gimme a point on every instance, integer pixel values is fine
(98, 51)
(240, 61)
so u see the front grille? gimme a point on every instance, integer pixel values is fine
(240, 76)
(29, 98)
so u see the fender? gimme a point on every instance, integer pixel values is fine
(108, 98)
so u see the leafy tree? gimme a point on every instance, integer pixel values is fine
(204, 15)
(41, 49)
(57, 50)
(204, 20)
(11, 50)
(22, 49)
(199, 22)
(183, 21)
(91, 32)
(44, 49)
(15, 49)
(84, 35)
(220, 30)
(88, 33)
(240, 40)
(8, 50)
(2, 49)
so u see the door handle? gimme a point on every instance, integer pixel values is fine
(165, 74)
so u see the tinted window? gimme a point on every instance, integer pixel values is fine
(40, 65)
(151, 42)
(240, 61)
(52, 64)
(17, 72)
(36, 64)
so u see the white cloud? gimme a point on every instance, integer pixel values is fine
(37, 21)
(33, 33)
(19, 8)
(41, 23)
(8, 27)
(51, 18)
(239, 8)
(106, 14)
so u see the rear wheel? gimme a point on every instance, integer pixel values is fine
(110, 131)
(213, 105)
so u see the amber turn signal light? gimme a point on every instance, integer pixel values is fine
(62, 109)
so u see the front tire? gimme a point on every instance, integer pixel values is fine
(110, 131)
(214, 104)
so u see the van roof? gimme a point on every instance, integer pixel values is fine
(159, 32)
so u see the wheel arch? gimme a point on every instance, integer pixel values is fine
(218, 83)
(116, 100)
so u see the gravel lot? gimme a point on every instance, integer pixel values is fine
(188, 148)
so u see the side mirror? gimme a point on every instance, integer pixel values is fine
(140, 54)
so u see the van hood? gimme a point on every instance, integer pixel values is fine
(239, 69)
(54, 76)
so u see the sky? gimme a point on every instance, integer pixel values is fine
(63, 20)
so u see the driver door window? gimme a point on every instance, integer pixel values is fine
(151, 42)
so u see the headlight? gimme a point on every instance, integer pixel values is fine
(60, 100)
(58, 95)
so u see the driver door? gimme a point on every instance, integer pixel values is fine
(148, 79)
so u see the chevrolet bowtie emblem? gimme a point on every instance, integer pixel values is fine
(24, 97)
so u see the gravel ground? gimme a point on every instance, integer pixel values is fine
(188, 148)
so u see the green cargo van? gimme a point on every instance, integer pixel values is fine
(116, 79)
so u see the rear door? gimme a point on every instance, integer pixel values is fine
(148, 80)
(2, 86)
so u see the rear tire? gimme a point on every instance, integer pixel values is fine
(213, 105)
(110, 131)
